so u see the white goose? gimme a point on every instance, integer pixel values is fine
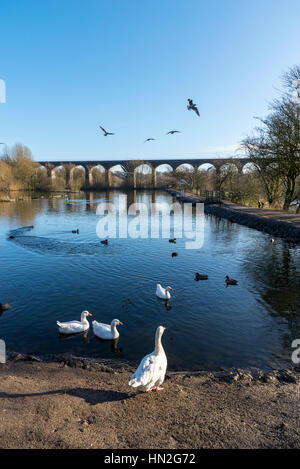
(163, 293)
(107, 331)
(72, 327)
(151, 371)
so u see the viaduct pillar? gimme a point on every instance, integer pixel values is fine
(108, 181)
(154, 178)
(88, 176)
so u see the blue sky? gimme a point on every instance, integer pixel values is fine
(130, 65)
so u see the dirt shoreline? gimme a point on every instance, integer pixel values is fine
(73, 402)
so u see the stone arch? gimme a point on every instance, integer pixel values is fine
(114, 174)
(97, 175)
(42, 175)
(144, 175)
(72, 169)
(185, 167)
(58, 169)
(205, 167)
(164, 168)
(117, 168)
(226, 167)
(248, 168)
(145, 168)
(99, 168)
(78, 166)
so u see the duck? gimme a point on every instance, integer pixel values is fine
(107, 331)
(4, 307)
(73, 327)
(75, 231)
(151, 371)
(230, 281)
(172, 240)
(200, 276)
(105, 241)
(163, 293)
(174, 254)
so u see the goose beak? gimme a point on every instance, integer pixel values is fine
(120, 322)
(89, 314)
(164, 328)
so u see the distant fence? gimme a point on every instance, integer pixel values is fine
(212, 196)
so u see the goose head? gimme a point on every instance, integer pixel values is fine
(84, 315)
(115, 323)
(161, 329)
(169, 289)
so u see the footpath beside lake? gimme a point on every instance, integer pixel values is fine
(275, 222)
(73, 404)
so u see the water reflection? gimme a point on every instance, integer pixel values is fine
(83, 335)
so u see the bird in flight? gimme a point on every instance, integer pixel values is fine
(148, 139)
(173, 132)
(105, 131)
(192, 106)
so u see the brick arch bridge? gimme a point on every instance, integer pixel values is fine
(131, 166)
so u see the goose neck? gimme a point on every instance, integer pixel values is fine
(158, 344)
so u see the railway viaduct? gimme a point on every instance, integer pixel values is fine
(130, 166)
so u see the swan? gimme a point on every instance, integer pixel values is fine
(150, 373)
(163, 293)
(107, 331)
(72, 327)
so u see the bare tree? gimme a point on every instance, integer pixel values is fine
(275, 148)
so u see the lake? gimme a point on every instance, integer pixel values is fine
(49, 274)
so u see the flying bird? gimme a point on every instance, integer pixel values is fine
(148, 139)
(173, 132)
(105, 131)
(192, 106)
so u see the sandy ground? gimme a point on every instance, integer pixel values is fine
(73, 404)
